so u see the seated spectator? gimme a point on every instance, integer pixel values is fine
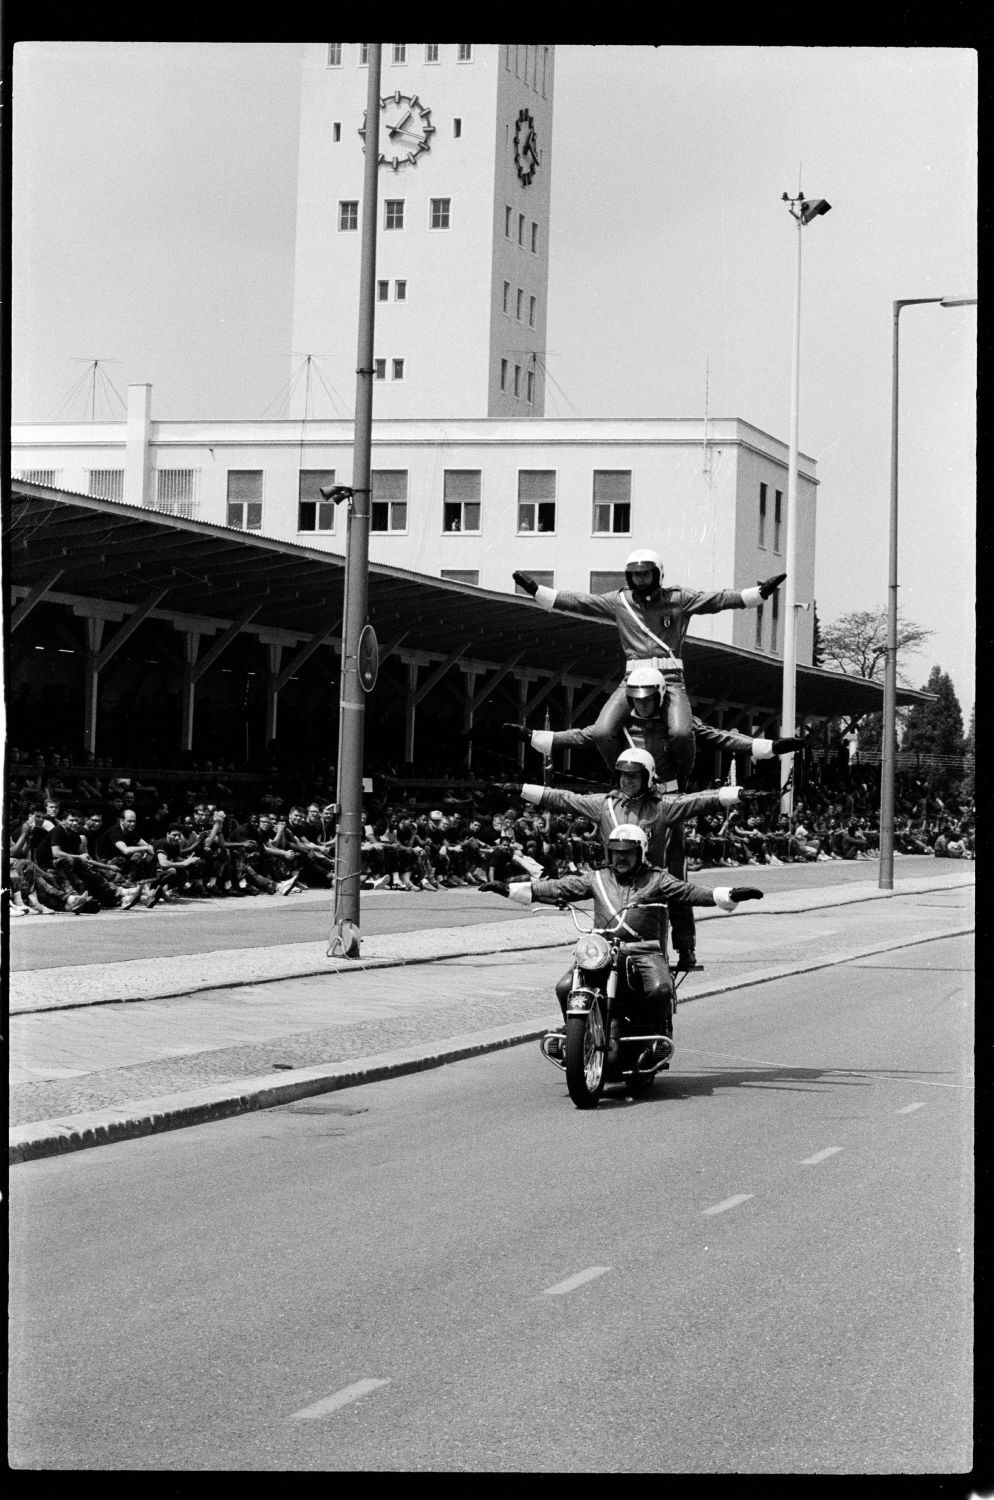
(72, 860)
(122, 846)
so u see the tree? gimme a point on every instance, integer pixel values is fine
(856, 643)
(817, 658)
(936, 728)
(969, 786)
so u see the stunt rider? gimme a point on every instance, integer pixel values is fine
(622, 893)
(645, 724)
(652, 624)
(639, 800)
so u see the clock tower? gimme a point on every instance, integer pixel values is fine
(464, 139)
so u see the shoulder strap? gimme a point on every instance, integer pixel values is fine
(615, 913)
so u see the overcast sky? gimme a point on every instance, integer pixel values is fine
(153, 226)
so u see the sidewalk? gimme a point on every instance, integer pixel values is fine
(108, 1052)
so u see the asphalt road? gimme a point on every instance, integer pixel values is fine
(251, 922)
(764, 1267)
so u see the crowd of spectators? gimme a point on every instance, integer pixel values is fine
(83, 840)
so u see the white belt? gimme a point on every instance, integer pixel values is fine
(661, 663)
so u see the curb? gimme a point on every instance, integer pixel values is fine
(223, 1101)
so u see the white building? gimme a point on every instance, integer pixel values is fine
(474, 500)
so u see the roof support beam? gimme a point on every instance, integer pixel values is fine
(419, 694)
(36, 595)
(102, 657)
(492, 682)
(550, 686)
(606, 685)
(198, 668)
(307, 650)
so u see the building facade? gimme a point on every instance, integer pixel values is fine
(474, 500)
(465, 142)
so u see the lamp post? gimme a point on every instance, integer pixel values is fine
(889, 741)
(803, 210)
(345, 938)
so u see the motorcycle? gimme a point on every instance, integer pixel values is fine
(600, 983)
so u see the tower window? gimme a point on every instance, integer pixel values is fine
(532, 303)
(176, 491)
(400, 52)
(759, 628)
(507, 221)
(503, 374)
(457, 127)
(440, 208)
(465, 51)
(400, 291)
(520, 304)
(314, 513)
(334, 54)
(431, 52)
(245, 499)
(507, 297)
(517, 380)
(393, 213)
(398, 369)
(521, 229)
(762, 515)
(612, 501)
(379, 369)
(336, 131)
(777, 510)
(348, 214)
(461, 506)
(363, 54)
(108, 483)
(382, 291)
(534, 238)
(774, 620)
(530, 386)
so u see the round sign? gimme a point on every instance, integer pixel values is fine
(369, 658)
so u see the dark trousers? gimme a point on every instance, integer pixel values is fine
(645, 993)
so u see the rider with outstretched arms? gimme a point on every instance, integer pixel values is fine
(652, 624)
(644, 725)
(638, 800)
(630, 897)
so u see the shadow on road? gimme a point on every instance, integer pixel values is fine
(670, 1087)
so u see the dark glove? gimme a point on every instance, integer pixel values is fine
(508, 788)
(756, 796)
(783, 747)
(737, 893)
(768, 586)
(499, 887)
(521, 730)
(527, 582)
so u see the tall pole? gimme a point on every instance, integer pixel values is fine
(888, 752)
(889, 726)
(351, 712)
(788, 704)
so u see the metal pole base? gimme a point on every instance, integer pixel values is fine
(345, 941)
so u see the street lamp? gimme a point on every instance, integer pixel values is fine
(803, 210)
(889, 741)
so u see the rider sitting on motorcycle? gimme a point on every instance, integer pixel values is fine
(629, 897)
(638, 799)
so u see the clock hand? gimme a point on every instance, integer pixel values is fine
(411, 135)
(399, 127)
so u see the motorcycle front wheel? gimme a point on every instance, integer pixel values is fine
(586, 1056)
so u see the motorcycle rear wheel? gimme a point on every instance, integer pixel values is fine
(586, 1057)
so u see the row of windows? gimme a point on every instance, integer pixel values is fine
(777, 517)
(519, 304)
(530, 63)
(600, 582)
(509, 228)
(439, 213)
(396, 52)
(510, 381)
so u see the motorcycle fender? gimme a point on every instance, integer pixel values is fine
(580, 1002)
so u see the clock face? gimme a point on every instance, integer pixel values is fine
(405, 130)
(525, 147)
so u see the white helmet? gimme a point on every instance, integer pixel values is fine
(643, 557)
(628, 836)
(629, 759)
(641, 682)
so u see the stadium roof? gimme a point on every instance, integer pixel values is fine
(97, 550)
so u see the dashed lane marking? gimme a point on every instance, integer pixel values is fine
(909, 1109)
(340, 1398)
(727, 1203)
(572, 1282)
(812, 1161)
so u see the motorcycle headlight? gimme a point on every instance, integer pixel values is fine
(592, 951)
